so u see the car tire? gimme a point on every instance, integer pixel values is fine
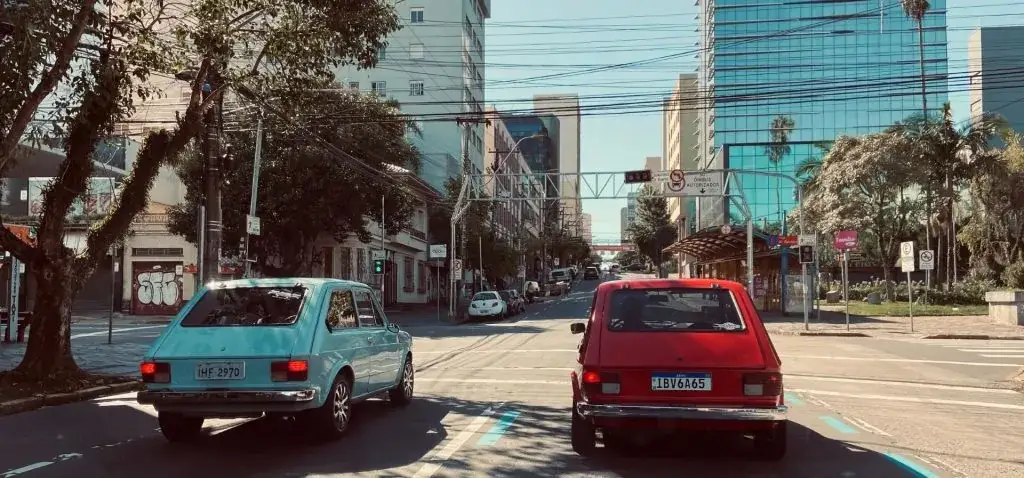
(583, 436)
(770, 445)
(332, 419)
(178, 428)
(401, 395)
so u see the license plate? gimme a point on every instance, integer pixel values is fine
(220, 371)
(681, 382)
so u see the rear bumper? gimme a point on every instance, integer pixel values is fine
(229, 403)
(774, 414)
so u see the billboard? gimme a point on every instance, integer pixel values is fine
(96, 200)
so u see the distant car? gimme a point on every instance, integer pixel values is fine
(488, 304)
(615, 269)
(308, 348)
(518, 299)
(513, 300)
(675, 355)
(591, 273)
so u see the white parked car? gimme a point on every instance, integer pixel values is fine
(488, 305)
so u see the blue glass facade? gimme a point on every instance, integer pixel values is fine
(833, 67)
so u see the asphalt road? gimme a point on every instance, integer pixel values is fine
(493, 400)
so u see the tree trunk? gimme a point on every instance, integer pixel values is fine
(49, 342)
(928, 230)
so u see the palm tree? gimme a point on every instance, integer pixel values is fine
(778, 147)
(916, 9)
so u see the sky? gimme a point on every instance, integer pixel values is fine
(530, 38)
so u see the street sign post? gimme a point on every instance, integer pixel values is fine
(438, 251)
(378, 255)
(926, 260)
(695, 183)
(806, 254)
(907, 264)
(846, 240)
(457, 268)
(252, 225)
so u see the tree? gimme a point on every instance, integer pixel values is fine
(777, 148)
(652, 231)
(477, 219)
(595, 258)
(627, 258)
(865, 185)
(93, 63)
(916, 9)
(950, 156)
(307, 189)
(994, 233)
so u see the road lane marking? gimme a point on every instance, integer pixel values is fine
(839, 425)
(438, 460)
(913, 467)
(902, 360)
(799, 377)
(494, 351)
(792, 399)
(863, 425)
(498, 429)
(892, 398)
(116, 331)
(1003, 356)
(38, 465)
(995, 349)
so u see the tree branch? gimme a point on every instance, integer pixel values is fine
(46, 85)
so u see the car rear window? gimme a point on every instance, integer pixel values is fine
(485, 296)
(246, 307)
(674, 309)
(505, 295)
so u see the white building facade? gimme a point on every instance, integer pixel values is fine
(434, 67)
(681, 134)
(566, 107)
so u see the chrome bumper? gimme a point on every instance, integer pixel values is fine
(149, 397)
(775, 414)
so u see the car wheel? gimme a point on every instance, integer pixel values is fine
(770, 445)
(178, 428)
(402, 393)
(584, 439)
(332, 419)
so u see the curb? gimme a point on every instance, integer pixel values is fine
(973, 337)
(833, 334)
(34, 403)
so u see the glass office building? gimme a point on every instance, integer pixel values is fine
(834, 67)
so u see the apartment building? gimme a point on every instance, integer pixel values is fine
(566, 108)
(681, 135)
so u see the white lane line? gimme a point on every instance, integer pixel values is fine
(117, 331)
(936, 386)
(902, 360)
(1002, 356)
(892, 398)
(502, 351)
(863, 425)
(493, 380)
(438, 460)
(995, 349)
(38, 465)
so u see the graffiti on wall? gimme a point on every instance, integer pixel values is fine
(156, 289)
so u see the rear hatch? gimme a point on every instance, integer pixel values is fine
(231, 336)
(680, 346)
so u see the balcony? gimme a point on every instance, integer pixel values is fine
(417, 234)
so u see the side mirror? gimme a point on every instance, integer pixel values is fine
(577, 327)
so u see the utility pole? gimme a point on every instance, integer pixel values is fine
(383, 276)
(255, 189)
(211, 175)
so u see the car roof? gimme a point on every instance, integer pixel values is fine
(671, 283)
(287, 282)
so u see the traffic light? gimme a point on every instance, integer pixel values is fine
(378, 266)
(641, 176)
(806, 254)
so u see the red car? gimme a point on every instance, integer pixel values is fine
(666, 355)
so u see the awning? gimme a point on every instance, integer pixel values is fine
(711, 245)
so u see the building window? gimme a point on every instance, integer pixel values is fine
(416, 15)
(382, 54)
(416, 88)
(354, 85)
(361, 264)
(421, 269)
(408, 282)
(345, 256)
(327, 256)
(158, 252)
(379, 87)
(416, 51)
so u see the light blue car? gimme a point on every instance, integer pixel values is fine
(307, 348)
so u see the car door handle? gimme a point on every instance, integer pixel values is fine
(369, 339)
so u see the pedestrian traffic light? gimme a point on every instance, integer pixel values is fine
(378, 266)
(641, 176)
(806, 254)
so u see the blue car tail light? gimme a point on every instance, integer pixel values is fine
(155, 372)
(289, 371)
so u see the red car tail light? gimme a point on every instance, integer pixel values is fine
(762, 384)
(289, 371)
(606, 383)
(155, 372)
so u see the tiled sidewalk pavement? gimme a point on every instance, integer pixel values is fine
(116, 359)
(835, 322)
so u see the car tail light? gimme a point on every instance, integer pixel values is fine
(606, 383)
(762, 384)
(155, 372)
(289, 371)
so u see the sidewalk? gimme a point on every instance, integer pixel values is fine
(115, 359)
(120, 318)
(969, 326)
